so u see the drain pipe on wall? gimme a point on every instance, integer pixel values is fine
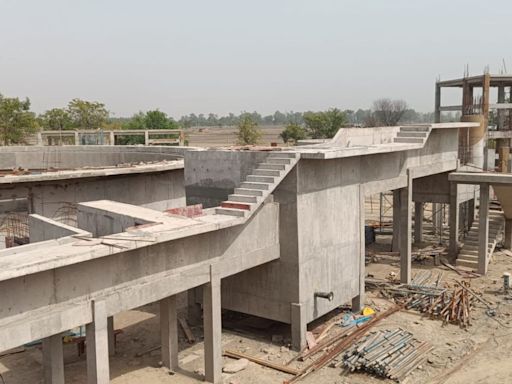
(325, 295)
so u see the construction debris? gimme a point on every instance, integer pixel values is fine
(265, 363)
(387, 354)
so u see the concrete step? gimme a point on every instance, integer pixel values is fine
(466, 263)
(412, 134)
(415, 128)
(261, 179)
(408, 140)
(291, 155)
(278, 160)
(236, 205)
(243, 198)
(231, 212)
(467, 257)
(248, 192)
(254, 185)
(266, 172)
(278, 167)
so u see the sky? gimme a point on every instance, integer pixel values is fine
(221, 56)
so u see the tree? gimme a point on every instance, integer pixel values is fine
(248, 131)
(389, 112)
(87, 114)
(324, 125)
(16, 120)
(57, 119)
(293, 133)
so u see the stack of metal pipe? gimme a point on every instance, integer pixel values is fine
(389, 354)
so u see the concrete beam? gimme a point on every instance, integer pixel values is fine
(212, 328)
(169, 332)
(98, 371)
(405, 232)
(483, 234)
(53, 360)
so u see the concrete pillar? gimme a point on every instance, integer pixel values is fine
(169, 332)
(97, 345)
(358, 301)
(146, 137)
(77, 138)
(111, 336)
(395, 244)
(39, 136)
(483, 233)
(405, 232)
(299, 326)
(454, 221)
(508, 234)
(194, 313)
(418, 222)
(112, 138)
(437, 107)
(212, 329)
(53, 360)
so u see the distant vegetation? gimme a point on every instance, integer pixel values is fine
(17, 121)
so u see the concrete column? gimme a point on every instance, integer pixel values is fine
(77, 138)
(39, 136)
(395, 247)
(97, 345)
(405, 232)
(194, 312)
(418, 222)
(358, 301)
(471, 212)
(212, 329)
(299, 326)
(169, 332)
(508, 234)
(112, 138)
(146, 137)
(53, 360)
(111, 336)
(483, 233)
(454, 221)
(437, 107)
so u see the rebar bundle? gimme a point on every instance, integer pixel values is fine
(388, 354)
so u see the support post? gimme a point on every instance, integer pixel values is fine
(193, 308)
(483, 233)
(146, 137)
(111, 336)
(437, 107)
(97, 345)
(508, 234)
(77, 138)
(418, 222)
(405, 231)
(454, 221)
(53, 360)
(395, 247)
(112, 138)
(299, 326)
(212, 329)
(169, 332)
(358, 301)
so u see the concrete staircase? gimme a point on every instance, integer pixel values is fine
(258, 186)
(413, 134)
(468, 255)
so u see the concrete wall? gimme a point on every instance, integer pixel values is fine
(68, 157)
(159, 191)
(210, 176)
(365, 136)
(42, 228)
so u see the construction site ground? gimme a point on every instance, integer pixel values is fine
(480, 354)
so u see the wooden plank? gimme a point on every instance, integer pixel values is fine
(188, 332)
(265, 363)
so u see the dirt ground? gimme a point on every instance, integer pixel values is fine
(480, 354)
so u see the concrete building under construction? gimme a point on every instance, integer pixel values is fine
(277, 233)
